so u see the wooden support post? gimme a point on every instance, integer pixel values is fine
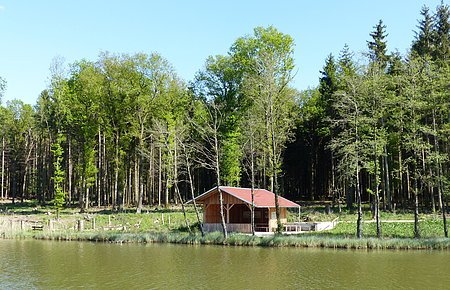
(228, 208)
(80, 225)
(228, 213)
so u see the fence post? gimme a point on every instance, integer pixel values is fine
(80, 225)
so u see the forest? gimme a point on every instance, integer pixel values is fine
(125, 131)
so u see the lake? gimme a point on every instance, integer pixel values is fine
(32, 264)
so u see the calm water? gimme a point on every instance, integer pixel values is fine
(55, 265)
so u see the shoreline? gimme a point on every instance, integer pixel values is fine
(215, 238)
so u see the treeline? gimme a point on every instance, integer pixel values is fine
(125, 130)
(379, 132)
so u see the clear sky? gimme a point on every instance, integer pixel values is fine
(186, 32)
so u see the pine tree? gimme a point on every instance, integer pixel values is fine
(328, 79)
(442, 33)
(377, 46)
(423, 43)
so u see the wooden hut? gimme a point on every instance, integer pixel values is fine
(237, 203)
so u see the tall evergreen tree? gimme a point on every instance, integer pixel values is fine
(442, 32)
(423, 43)
(377, 46)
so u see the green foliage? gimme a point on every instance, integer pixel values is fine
(2, 88)
(231, 160)
(377, 47)
(383, 121)
(432, 37)
(59, 194)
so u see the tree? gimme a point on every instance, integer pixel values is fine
(20, 124)
(253, 138)
(266, 60)
(206, 122)
(347, 143)
(423, 43)
(413, 139)
(2, 88)
(375, 95)
(58, 175)
(220, 82)
(377, 46)
(84, 105)
(442, 32)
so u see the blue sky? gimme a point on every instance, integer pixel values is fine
(186, 32)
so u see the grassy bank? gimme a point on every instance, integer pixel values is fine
(303, 240)
(167, 226)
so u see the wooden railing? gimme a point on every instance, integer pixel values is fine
(292, 227)
(241, 228)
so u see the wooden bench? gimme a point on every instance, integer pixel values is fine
(37, 227)
(114, 228)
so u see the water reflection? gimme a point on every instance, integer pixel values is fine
(29, 264)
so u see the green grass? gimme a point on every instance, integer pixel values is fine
(148, 227)
(216, 238)
(430, 228)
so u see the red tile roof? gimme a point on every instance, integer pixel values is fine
(262, 197)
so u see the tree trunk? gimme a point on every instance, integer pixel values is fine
(159, 177)
(401, 195)
(416, 210)
(358, 191)
(274, 166)
(150, 176)
(377, 200)
(167, 191)
(191, 186)
(313, 174)
(440, 182)
(106, 189)
(336, 192)
(115, 199)
(408, 184)
(139, 192)
(252, 172)
(82, 195)
(358, 198)
(217, 165)
(3, 169)
(387, 180)
(69, 169)
(431, 190)
(86, 203)
(444, 218)
(222, 215)
(98, 182)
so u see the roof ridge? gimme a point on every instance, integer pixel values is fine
(243, 187)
